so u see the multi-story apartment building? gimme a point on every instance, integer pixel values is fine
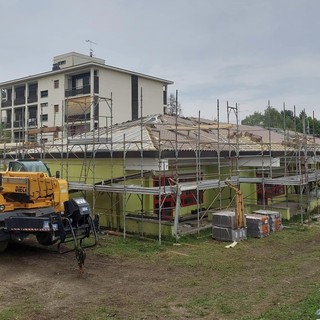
(79, 94)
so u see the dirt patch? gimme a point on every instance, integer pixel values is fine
(51, 282)
(202, 281)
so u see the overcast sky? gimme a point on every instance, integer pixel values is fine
(242, 51)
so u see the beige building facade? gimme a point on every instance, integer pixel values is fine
(79, 94)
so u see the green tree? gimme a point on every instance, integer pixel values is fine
(301, 122)
(288, 119)
(5, 136)
(257, 119)
(317, 128)
(273, 118)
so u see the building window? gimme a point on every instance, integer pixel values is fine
(96, 82)
(20, 95)
(56, 108)
(79, 83)
(165, 96)
(32, 115)
(19, 117)
(32, 122)
(32, 138)
(134, 98)
(44, 117)
(6, 97)
(56, 84)
(44, 93)
(43, 105)
(33, 92)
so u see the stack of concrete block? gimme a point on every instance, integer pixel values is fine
(257, 225)
(275, 219)
(224, 227)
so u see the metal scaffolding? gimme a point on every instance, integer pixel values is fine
(176, 137)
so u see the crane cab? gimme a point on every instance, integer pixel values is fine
(28, 166)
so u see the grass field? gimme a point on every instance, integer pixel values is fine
(271, 278)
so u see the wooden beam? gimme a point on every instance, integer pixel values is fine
(44, 130)
(202, 127)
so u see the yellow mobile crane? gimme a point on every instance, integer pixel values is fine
(34, 202)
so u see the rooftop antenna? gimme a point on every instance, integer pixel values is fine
(91, 50)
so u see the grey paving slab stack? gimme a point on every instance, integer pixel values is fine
(257, 225)
(224, 227)
(224, 219)
(275, 219)
(228, 234)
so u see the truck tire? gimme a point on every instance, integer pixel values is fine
(3, 245)
(45, 238)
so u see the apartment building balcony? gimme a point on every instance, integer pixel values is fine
(7, 103)
(18, 124)
(19, 101)
(32, 99)
(77, 91)
(32, 122)
(78, 118)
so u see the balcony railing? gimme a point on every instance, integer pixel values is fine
(78, 117)
(20, 100)
(77, 91)
(18, 123)
(7, 103)
(32, 99)
(32, 122)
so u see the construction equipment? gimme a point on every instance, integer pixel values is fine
(34, 202)
(239, 205)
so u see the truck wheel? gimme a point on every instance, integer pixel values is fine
(3, 245)
(45, 238)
